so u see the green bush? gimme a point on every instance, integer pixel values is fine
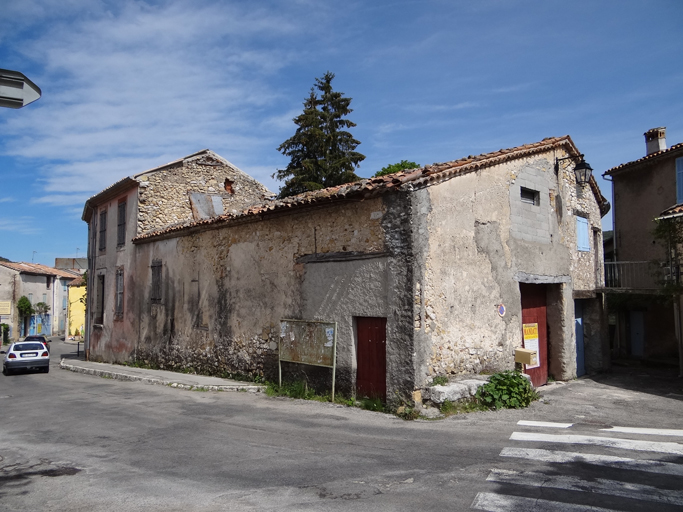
(506, 390)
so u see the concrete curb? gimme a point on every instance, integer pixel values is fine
(250, 388)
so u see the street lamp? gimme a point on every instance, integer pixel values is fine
(582, 169)
(16, 90)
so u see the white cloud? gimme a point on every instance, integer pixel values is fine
(129, 88)
(7, 199)
(23, 225)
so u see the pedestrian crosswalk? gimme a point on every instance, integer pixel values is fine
(562, 467)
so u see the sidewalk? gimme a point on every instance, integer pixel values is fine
(163, 377)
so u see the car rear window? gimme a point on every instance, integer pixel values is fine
(34, 338)
(22, 347)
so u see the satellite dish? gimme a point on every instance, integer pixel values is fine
(16, 90)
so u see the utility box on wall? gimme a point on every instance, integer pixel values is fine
(526, 356)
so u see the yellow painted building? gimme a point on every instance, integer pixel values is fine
(76, 310)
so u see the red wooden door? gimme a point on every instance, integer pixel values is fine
(534, 312)
(371, 375)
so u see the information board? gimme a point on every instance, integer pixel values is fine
(309, 342)
(5, 307)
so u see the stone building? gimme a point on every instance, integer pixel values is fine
(426, 272)
(646, 319)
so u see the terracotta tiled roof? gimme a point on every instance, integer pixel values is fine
(79, 281)
(36, 268)
(674, 211)
(649, 158)
(404, 180)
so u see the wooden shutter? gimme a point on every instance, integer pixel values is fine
(582, 239)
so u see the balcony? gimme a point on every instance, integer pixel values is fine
(640, 276)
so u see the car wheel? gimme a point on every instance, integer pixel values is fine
(46, 369)
(6, 370)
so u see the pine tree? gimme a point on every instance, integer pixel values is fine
(322, 153)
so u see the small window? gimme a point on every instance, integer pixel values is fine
(30, 298)
(530, 196)
(582, 239)
(156, 282)
(121, 225)
(103, 230)
(44, 298)
(48, 281)
(63, 302)
(119, 293)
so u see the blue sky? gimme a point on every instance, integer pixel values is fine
(130, 85)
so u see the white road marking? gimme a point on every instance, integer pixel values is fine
(650, 431)
(650, 466)
(625, 444)
(501, 503)
(549, 424)
(598, 486)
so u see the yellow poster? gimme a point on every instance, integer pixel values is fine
(5, 307)
(531, 342)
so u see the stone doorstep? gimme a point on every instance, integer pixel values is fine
(151, 380)
(458, 390)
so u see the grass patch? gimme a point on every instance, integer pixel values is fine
(449, 408)
(440, 380)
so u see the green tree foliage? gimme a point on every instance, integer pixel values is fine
(24, 306)
(322, 152)
(41, 308)
(4, 259)
(392, 168)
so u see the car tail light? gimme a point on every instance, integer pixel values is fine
(44, 354)
(12, 356)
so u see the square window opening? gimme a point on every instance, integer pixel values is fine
(530, 196)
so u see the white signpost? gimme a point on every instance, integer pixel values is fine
(16, 90)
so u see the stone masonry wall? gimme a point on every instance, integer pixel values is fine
(225, 290)
(483, 241)
(164, 194)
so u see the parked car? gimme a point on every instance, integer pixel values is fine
(26, 354)
(38, 337)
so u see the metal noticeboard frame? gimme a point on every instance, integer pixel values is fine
(299, 349)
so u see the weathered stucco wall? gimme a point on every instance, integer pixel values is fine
(483, 241)
(114, 337)
(225, 290)
(164, 194)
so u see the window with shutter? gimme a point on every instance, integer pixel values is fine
(119, 292)
(121, 225)
(155, 296)
(103, 230)
(582, 238)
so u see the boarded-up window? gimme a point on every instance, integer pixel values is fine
(582, 239)
(119, 292)
(103, 230)
(121, 225)
(156, 282)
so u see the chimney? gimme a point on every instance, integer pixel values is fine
(655, 140)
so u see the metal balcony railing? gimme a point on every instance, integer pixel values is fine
(640, 275)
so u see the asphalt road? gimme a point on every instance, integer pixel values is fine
(76, 442)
